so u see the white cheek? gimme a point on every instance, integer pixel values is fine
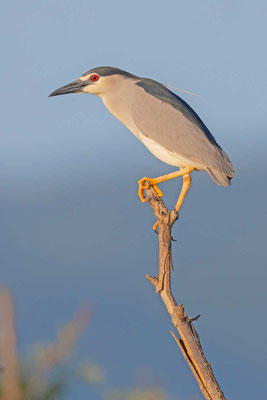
(93, 89)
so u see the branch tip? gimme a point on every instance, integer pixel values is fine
(195, 318)
(153, 280)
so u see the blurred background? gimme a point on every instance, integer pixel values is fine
(73, 232)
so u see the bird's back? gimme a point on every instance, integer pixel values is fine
(165, 118)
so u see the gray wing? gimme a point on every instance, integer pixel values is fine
(164, 117)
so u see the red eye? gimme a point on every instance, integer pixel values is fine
(94, 78)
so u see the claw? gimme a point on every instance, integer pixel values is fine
(155, 227)
(159, 192)
(144, 184)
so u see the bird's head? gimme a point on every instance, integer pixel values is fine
(97, 81)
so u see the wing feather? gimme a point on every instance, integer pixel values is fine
(170, 121)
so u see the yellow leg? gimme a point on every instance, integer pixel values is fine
(145, 182)
(186, 185)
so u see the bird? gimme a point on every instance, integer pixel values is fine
(168, 127)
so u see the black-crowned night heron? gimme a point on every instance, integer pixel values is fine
(162, 121)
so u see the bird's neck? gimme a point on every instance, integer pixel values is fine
(118, 103)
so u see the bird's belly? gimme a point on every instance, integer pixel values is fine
(163, 154)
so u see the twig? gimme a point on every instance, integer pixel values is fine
(189, 342)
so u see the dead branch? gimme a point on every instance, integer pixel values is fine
(189, 342)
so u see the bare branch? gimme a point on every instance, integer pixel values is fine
(189, 342)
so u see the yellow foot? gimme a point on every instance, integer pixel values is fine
(144, 184)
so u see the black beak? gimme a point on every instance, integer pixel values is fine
(73, 87)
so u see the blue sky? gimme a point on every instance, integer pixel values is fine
(72, 228)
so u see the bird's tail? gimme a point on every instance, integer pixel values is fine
(220, 177)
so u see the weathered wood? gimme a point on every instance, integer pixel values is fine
(189, 342)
